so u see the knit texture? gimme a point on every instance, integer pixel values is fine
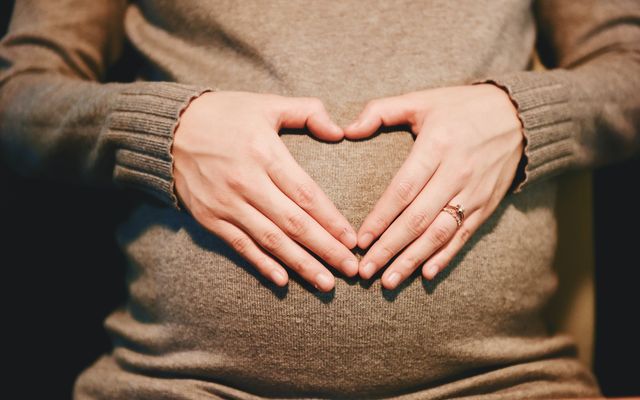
(144, 121)
(199, 321)
(545, 154)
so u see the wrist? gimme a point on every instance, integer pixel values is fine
(180, 133)
(515, 121)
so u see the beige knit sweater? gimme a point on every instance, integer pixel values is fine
(199, 322)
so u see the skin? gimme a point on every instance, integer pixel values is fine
(469, 141)
(236, 177)
(246, 187)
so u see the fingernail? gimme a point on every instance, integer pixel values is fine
(278, 277)
(366, 240)
(432, 270)
(350, 266)
(394, 278)
(369, 269)
(324, 280)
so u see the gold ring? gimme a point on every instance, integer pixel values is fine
(456, 211)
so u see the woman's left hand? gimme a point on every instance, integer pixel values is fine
(469, 141)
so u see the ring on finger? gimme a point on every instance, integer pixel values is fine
(456, 212)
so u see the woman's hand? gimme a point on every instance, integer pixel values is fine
(469, 141)
(237, 178)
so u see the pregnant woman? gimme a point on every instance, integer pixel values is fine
(300, 167)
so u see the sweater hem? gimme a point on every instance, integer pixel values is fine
(542, 105)
(146, 117)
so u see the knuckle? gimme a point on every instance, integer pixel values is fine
(439, 235)
(258, 150)
(299, 265)
(275, 168)
(240, 244)
(336, 227)
(208, 216)
(304, 195)
(226, 212)
(201, 212)
(426, 163)
(379, 223)
(440, 140)
(272, 240)
(296, 225)
(237, 182)
(417, 223)
(329, 254)
(410, 263)
(225, 200)
(403, 191)
(215, 224)
(385, 252)
(465, 171)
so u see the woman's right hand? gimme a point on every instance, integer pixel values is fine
(237, 178)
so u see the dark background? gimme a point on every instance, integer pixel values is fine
(62, 286)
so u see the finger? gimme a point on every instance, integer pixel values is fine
(444, 255)
(298, 225)
(394, 110)
(473, 220)
(250, 251)
(298, 112)
(276, 242)
(437, 234)
(294, 181)
(410, 179)
(413, 221)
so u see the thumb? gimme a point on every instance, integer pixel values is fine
(298, 112)
(386, 111)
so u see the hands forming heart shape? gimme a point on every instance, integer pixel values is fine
(237, 178)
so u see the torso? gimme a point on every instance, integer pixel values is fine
(199, 311)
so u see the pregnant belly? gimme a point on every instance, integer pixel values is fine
(198, 310)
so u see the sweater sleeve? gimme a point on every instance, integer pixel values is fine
(584, 111)
(60, 120)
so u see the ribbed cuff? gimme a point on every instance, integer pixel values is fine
(143, 123)
(542, 101)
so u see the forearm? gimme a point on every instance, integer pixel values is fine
(59, 120)
(584, 111)
(90, 132)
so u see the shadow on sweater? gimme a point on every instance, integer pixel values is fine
(175, 220)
